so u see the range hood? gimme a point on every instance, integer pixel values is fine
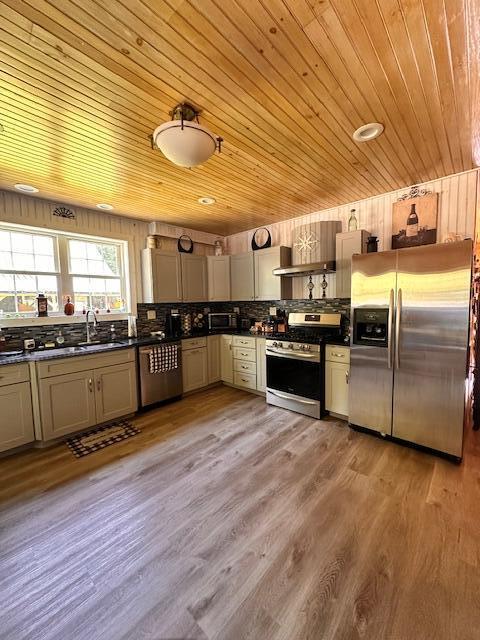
(301, 270)
(321, 236)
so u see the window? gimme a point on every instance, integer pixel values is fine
(95, 268)
(89, 270)
(26, 260)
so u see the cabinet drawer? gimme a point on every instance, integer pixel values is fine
(11, 373)
(247, 380)
(73, 364)
(244, 341)
(193, 343)
(243, 353)
(243, 366)
(337, 354)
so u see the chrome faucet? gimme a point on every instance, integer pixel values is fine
(95, 322)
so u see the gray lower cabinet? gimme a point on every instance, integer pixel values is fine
(67, 404)
(337, 371)
(261, 365)
(16, 419)
(213, 352)
(226, 359)
(78, 393)
(115, 391)
(194, 369)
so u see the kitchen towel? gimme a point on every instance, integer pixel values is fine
(163, 358)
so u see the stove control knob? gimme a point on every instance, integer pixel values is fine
(308, 347)
(275, 345)
(280, 345)
(302, 347)
(290, 346)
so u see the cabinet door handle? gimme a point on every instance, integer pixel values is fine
(90, 385)
(243, 354)
(244, 367)
(347, 376)
(99, 384)
(338, 355)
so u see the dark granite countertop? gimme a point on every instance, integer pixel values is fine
(74, 351)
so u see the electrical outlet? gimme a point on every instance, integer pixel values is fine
(151, 314)
(273, 311)
(236, 309)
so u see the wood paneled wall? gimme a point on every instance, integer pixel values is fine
(456, 213)
(37, 212)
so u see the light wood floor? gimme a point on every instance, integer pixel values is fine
(230, 519)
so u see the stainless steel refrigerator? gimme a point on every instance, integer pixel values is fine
(409, 344)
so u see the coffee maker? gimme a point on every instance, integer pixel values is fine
(173, 325)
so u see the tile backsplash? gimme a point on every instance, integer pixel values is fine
(73, 333)
(259, 310)
(248, 309)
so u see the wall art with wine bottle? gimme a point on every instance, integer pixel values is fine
(414, 220)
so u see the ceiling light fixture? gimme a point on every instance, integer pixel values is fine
(368, 132)
(206, 200)
(183, 140)
(25, 188)
(105, 207)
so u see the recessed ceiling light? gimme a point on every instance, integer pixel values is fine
(105, 207)
(368, 132)
(206, 200)
(25, 188)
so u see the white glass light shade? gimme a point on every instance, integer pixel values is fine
(186, 147)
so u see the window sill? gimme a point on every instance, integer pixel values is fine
(34, 321)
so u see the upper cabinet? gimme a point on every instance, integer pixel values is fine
(347, 244)
(268, 286)
(218, 268)
(242, 276)
(252, 277)
(162, 279)
(173, 277)
(194, 277)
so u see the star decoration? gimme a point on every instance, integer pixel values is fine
(305, 241)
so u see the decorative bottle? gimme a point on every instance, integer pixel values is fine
(69, 309)
(412, 223)
(352, 222)
(42, 305)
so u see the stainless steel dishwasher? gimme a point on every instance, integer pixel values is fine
(159, 372)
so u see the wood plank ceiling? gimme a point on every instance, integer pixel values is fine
(284, 82)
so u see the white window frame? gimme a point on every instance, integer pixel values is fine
(65, 278)
(29, 272)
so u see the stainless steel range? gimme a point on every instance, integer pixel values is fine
(295, 362)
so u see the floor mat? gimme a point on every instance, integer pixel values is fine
(95, 439)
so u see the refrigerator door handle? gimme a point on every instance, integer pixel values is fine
(390, 328)
(398, 318)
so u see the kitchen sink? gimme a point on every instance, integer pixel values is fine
(81, 347)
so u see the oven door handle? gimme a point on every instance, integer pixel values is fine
(291, 354)
(286, 396)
